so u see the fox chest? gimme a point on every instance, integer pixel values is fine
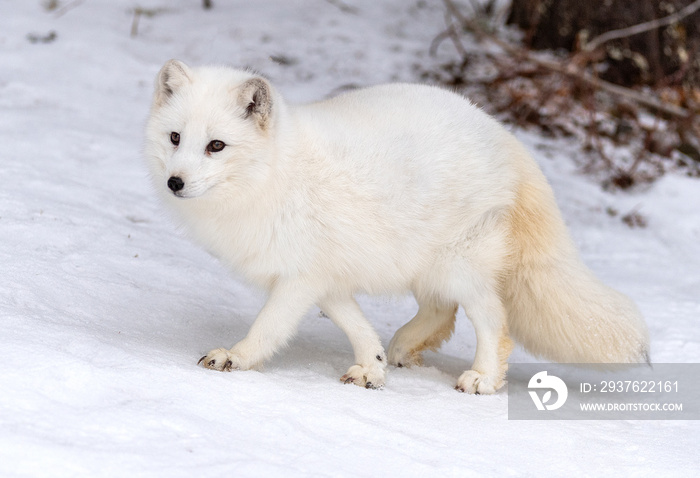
(261, 247)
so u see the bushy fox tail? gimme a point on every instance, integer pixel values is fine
(556, 307)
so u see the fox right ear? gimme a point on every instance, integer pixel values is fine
(174, 75)
(256, 97)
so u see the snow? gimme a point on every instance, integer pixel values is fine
(106, 308)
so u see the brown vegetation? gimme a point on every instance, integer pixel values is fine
(637, 121)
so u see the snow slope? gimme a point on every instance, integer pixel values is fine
(105, 308)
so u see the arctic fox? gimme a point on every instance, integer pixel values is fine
(382, 190)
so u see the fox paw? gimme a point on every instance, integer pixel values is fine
(372, 376)
(404, 358)
(222, 360)
(477, 383)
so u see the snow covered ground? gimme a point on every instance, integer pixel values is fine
(105, 308)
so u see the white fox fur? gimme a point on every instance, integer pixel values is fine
(383, 190)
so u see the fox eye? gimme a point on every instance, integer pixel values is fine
(216, 146)
(175, 138)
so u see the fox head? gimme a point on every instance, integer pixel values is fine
(209, 129)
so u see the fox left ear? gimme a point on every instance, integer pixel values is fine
(174, 75)
(256, 97)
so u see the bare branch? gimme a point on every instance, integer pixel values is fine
(454, 11)
(64, 9)
(135, 22)
(344, 7)
(452, 34)
(642, 27)
(587, 78)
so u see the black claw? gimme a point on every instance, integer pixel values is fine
(379, 357)
(211, 363)
(459, 389)
(369, 385)
(201, 360)
(477, 392)
(228, 365)
(400, 365)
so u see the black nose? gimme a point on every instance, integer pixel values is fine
(175, 184)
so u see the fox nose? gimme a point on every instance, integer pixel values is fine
(175, 184)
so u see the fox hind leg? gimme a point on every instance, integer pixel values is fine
(493, 345)
(433, 324)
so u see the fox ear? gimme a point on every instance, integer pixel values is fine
(173, 76)
(256, 98)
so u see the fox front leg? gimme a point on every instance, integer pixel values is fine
(369, 370)
(274, 326)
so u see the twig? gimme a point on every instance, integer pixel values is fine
(643, 153)
(613, 89)
(476, 8)
(594, 135)
(452, 34)
(437, 41)
(344, 7)
(135, 23)
(63, 10)
(642, 27)
(454, 11)
(140, 12)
